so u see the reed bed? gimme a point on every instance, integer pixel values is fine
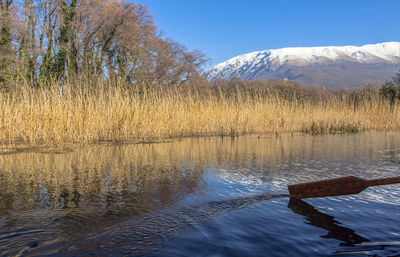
(142, 114)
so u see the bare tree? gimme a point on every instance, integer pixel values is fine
(90, 39)
(6, 51)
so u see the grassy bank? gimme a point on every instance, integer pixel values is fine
(112, 113)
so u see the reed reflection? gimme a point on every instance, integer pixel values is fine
(54, 179)
(80, 192)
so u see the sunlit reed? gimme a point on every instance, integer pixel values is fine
(45, 116)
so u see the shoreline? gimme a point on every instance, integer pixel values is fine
(10, 149)
(108, 113)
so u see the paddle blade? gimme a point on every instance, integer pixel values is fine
(331, 187)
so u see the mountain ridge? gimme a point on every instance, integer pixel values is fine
(334, 67)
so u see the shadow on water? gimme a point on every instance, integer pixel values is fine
(355, 244)
(137, 199)
(321, 220)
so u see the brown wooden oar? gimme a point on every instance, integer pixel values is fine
(338, 186)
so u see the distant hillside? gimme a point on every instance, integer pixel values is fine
(333, 67)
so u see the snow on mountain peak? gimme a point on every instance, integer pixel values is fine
(243, 65)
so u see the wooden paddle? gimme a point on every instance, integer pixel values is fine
(338, 186)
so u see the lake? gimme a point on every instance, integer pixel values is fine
(200, 197)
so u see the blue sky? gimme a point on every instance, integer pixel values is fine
(225, 28)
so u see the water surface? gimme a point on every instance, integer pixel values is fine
(200, 197)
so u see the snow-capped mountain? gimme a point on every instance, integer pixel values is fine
(332, 67)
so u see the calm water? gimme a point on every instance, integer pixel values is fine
(200, 197)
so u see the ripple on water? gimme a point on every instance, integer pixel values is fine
(200, 197)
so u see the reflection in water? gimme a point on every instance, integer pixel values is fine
(322, 220)
(164, 172)
(145, 196)
(138, 235)
(150, 233)
(374, 249)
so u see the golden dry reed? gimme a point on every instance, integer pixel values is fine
(47, 117)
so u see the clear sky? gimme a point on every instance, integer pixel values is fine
(225, 28)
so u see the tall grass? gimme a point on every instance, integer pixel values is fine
(137, 114)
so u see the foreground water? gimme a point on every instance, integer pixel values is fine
(200, 197)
